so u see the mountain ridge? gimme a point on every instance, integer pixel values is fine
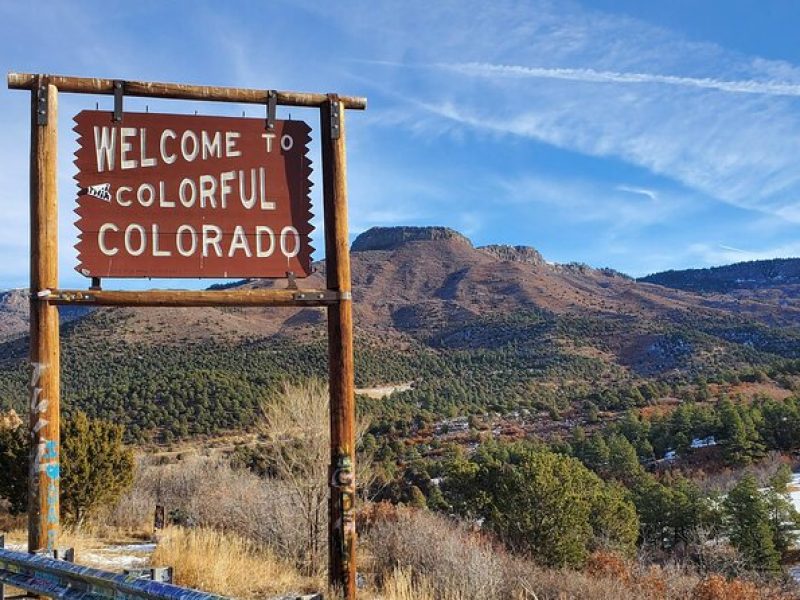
(475, 329)
(775, 272)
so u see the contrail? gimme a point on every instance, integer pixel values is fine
(591, 75)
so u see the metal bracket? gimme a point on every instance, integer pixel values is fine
(292, 280)
(336, 126)
(65, 554)
(42, 108)
(272, 103)
(119, 91)
(160, 574)
(96, 285)
(327, 296)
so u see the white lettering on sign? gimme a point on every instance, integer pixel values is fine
(101, 239)
(124, 134)
(212, 147)
(289, 236)
(129, 247)
(166, 156)
(105, 140)
(180, 238)
(145, 160)
(231, 138)
(268, 137)
(189, 155)
(183, 196)
(135, 240)
(209, 191)
(205, 145)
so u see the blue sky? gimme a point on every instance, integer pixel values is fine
(637, 135)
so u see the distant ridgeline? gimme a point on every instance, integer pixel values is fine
(743, 275)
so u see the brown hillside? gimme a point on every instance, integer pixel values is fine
(411, 280)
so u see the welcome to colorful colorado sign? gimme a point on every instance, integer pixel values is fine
(192, 196)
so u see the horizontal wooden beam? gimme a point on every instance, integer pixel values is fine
(186, 298)
(178, 91)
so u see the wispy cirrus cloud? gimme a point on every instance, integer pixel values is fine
(638, 190)
(593, 76)
(715, 121)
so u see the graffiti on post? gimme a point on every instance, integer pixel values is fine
(46, 458)
(343, 489)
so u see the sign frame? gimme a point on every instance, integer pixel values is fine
(46, 295)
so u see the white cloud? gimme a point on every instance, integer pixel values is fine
(638, 190)
(591, 75)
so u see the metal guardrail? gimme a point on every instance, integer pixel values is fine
(45, 576)
(59, 578)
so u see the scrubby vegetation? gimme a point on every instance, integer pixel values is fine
(96, 468)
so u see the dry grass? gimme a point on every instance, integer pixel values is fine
(401, 585)
(68, 538)
(227, 564)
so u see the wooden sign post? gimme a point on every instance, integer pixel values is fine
(189, 196)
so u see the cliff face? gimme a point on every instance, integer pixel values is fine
(521, 254)
(390, 238)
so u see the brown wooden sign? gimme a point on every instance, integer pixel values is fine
(192, 196)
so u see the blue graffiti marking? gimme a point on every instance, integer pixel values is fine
(50, 449)
(53, 471)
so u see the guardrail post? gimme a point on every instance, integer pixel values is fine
(160, 574)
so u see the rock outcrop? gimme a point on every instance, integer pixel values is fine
(389, 238)
(521, 254)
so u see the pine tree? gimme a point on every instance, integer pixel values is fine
(596, 454)
(736, 443)
(623, 462)
(749, 526)
(784, 518)
(14, 450)
(96, 467)
(541, 503)
(681, 429)
(417, 498)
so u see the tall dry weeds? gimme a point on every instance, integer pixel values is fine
(228, 564)
(206, 492)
